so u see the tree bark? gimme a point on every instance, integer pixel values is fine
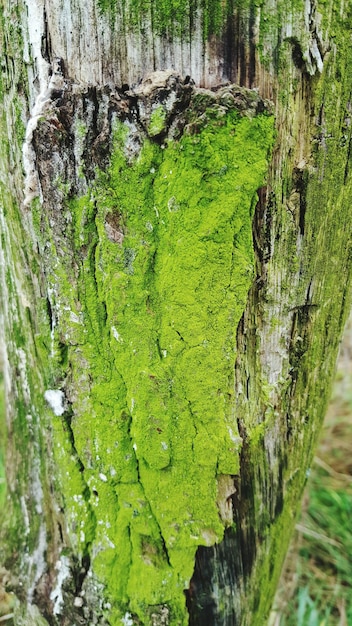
(176, 274)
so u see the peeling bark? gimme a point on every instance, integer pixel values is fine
(174, 287)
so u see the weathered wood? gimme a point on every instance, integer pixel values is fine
(175, 280)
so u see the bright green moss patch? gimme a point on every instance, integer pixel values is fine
(164, 278)
(157, 121)
(148, 312)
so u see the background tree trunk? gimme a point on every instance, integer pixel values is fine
(176, 260)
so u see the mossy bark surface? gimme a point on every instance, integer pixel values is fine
(176, 266)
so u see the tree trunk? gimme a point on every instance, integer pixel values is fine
(176, 262)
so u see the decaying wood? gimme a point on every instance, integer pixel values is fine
(69, 66)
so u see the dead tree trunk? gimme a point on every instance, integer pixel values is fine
(175, 266)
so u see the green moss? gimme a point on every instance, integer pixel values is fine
(172, 16)
(157, 121)
(146, 292)
(2, 442)
(160, 305)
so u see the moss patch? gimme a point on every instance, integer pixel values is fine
(2, 442)
(166, 267)
(157, 121)
(172, 16)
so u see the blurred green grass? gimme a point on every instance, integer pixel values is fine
(324, 565)
(316, 585)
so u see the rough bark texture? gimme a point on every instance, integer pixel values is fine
(176, 261)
